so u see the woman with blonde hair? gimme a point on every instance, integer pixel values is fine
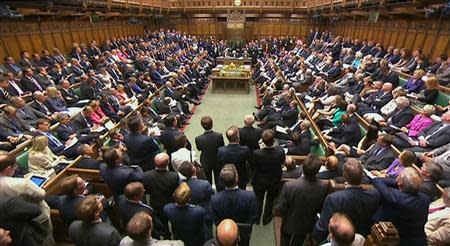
(97, 115)
(41, 159)
(428, 94)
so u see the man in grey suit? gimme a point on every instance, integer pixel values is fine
(380, 155)
(11, 125)
(90, 230)
(26, 112)
(299, 216)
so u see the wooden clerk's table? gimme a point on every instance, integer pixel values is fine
(235, 83)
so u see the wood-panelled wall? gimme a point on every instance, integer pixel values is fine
(432, 36)
(35, 36)
(254, 30)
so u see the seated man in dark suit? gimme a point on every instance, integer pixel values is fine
(360, 205)
(201, 194)
(208, 143)
(431, 173)
(89, 230)
(87, 161)
(187, 220)
(82, 121)
(141, 148)
(374, 102)
(380, 155)
(160, 183)
(234, 203)
(299, 216)
(235, 154)
(404, 205)
(115, 174)
(65, 131)
(248, 135)
(292, 170)
(39, 104)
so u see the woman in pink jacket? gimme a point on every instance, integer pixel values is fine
(419, 122)
(97, 115)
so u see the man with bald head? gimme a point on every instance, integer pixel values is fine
(160, 183)
(376, 100)
(208, 143)
(227, 234)
(330, 170)
(248, 135)
(235, 154)
(342, 232)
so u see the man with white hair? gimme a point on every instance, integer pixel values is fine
(249, 135)
(401, 199)
(401, 116)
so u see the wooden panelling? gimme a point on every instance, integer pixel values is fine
(430, 35)
(32, 36)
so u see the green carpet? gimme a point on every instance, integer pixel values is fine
(227, 110)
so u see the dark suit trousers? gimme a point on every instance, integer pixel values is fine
(291, 239)
(209, 174)
(272, 192)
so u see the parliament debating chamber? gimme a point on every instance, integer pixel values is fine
(224, 122)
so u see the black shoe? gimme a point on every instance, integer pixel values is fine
(267, 220)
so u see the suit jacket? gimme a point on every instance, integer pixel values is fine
(69, 96)
(13, 127)
(236, 204)
(358, 204)
(93, 234)
(401, 118)
(293, 208)
(267, 163)
(293, 173)
(28, 85)
(441, 136)
(80, 123)
(41, 108)
(141, 150)
(187, 223)
(208, 143)
(249, 136)
(429, 188)
(29, 114)
(201, 193)
(127, 209)
(237, 155)
(346, 133)
(168, 139)
(88, 163)
(19, 221)
(398, 207)
(327, 174)
(87, 92)
(119, 176)
(67, 206)
(160, 185)
(377, 158)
